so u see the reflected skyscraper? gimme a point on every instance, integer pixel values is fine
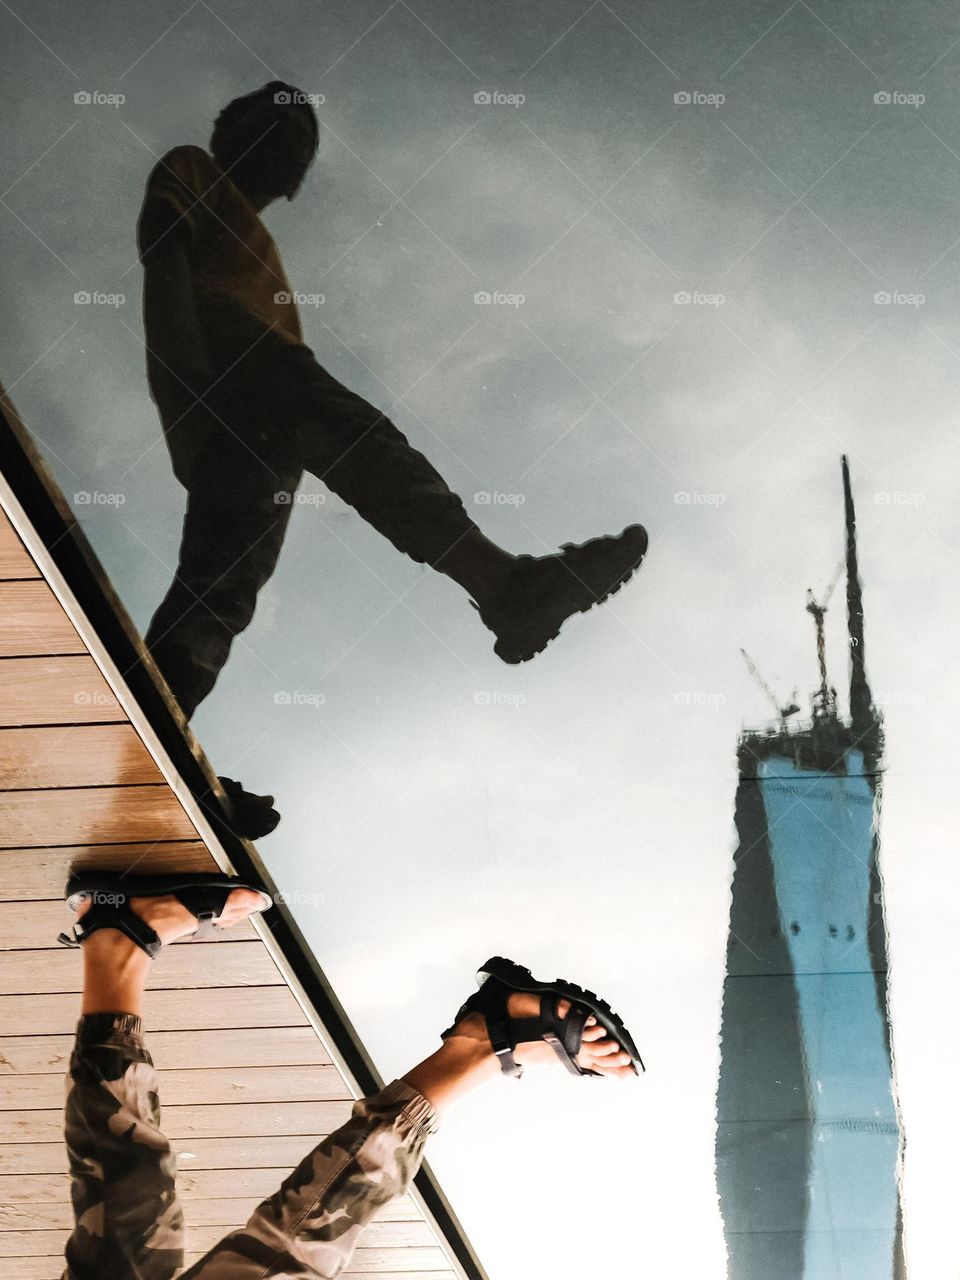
(808, 1136)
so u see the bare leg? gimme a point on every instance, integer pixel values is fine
(115, 970)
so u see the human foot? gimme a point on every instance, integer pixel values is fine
(151, 911)
(543, 592)
(171, 920)
(600, 1053)
(528, 1022)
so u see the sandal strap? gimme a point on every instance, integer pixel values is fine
(109, 915)
(493, 1006)
(206, 902)
(111, 897)
(564, 1035)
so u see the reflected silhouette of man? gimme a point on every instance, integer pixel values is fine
(246, 408)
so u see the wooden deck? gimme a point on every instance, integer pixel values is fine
(248, 1085)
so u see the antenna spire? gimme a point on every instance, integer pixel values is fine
(862, 715)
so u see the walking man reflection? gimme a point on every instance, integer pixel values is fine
(246, 408)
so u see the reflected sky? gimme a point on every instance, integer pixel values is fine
(718, 300)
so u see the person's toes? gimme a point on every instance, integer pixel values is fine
(240, 904)
(173, 921)
(599, 1051)
(615, 1065)
(594, 1033)
(605, 1055)
(602, 1048)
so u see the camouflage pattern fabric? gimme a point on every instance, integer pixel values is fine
(128, 1222)
(310, 1226)
(129, 1225)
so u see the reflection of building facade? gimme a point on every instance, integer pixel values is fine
(808, 1136)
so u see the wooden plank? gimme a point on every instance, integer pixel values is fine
(92, 815)
(55, 691)
(42, 873)
(192, 1087)
(219, 1120)
(175, 1050)
(377, 1261)
(46, 1267)
(389, 1232)
(29, 926)
(407, 1275)
(74, 756)
(33, 1244)
(228, 964)
(51, 1268)
(226, 1186)
(15, 560)
(43, 1268)
(376, 1257)
(33, 622)
(222, 1007)
(194, 1154)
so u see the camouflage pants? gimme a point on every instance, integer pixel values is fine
(129, 1225)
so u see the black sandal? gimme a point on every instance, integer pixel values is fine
(203, 894)
(498, 978)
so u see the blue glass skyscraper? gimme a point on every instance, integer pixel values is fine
(808, 1137)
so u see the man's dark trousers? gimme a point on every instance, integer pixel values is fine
(280, 413)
